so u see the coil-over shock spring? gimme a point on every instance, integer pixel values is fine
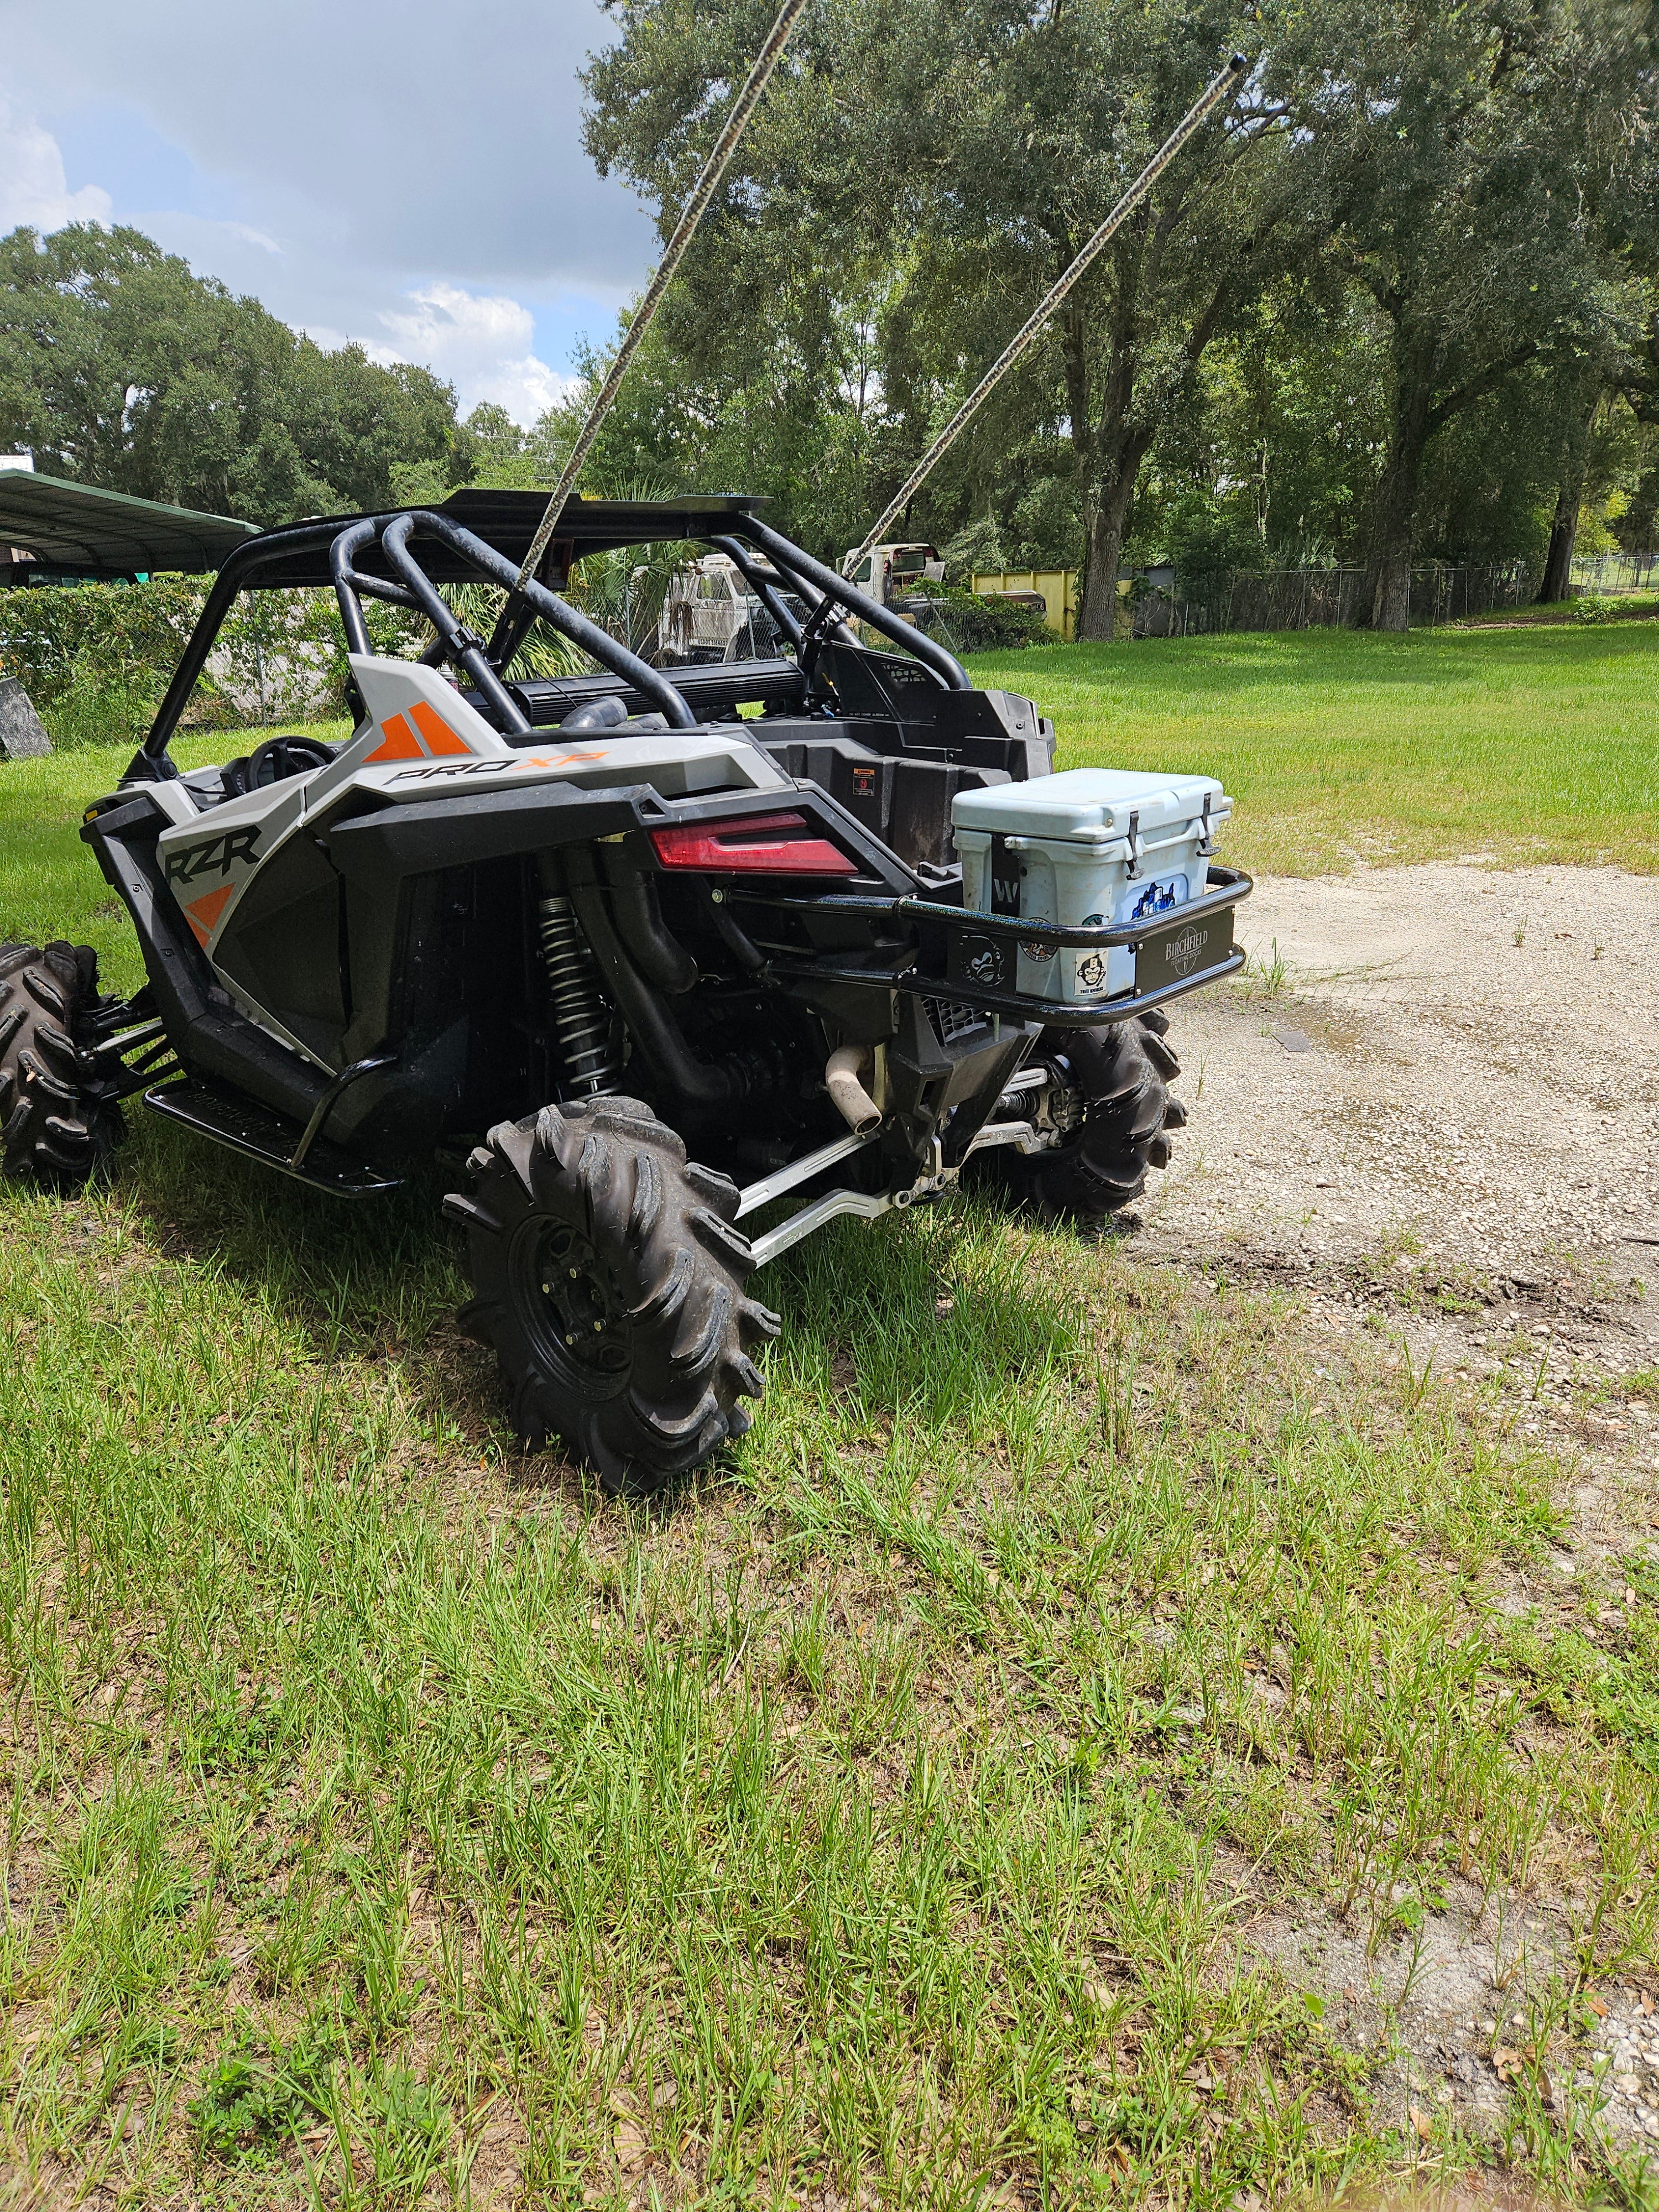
(581, 1019)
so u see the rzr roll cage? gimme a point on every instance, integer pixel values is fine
(371, 556)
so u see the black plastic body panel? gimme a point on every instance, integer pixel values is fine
(207, 1030)
(879, 734)
(945, 1081)
(421, 836)
(902, 799)
(228, 1118)
(283, 944)
(418, 836)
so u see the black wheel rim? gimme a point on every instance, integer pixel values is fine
(576, 1324)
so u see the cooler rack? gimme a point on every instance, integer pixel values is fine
(947, 936)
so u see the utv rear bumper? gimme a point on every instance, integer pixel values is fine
(963, 956)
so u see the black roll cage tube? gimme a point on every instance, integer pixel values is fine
(760, 585)
(782, 555)
(456, 642)
(350, 588)
(816, 582)
(468, 652)
(821, 618)
(513, 624)
(150, 764)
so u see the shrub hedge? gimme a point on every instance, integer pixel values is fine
(95, 657)
(968, 623)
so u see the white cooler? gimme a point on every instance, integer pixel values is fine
(1089, 846)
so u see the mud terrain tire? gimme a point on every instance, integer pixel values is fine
(609, 1284)
(1124, 1073)
(58, 1121)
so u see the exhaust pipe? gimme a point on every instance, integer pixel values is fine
(852, 1101)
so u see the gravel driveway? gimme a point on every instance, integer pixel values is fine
(1457, 1058)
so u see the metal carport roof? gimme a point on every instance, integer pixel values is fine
(85, 531)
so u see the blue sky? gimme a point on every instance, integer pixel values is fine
(410, 175)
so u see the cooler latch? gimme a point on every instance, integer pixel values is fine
(1207, 836)
(1134, 841)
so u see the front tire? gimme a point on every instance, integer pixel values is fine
(59, 1120)
(1122, 1076)
(609, 1284)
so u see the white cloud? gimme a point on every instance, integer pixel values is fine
(249, 236)
(482, 343)
(328, 128)
(213, 130)
(34, 189)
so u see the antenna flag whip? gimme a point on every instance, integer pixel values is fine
(691, 215)
(1213, 93)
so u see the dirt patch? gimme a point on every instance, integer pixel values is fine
(1432, 2013)
(1433, 1098)
(1454, 2018)
(1446, 1071)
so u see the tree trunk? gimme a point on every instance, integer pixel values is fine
(1569, 498)
(1108, 459)
(1106, 515)
(1564, 536)
(1389, 577)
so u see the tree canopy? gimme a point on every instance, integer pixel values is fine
(1400, 302)
(1384, 297)
(119, 367)
(1455, 157)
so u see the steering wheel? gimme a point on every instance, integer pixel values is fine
(278, 759)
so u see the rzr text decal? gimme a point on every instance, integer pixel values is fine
(215, 857)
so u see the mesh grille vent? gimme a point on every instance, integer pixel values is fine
(950, 1019)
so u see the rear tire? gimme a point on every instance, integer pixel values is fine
(1124, 1073)
(609, 1284)
(59, 1120)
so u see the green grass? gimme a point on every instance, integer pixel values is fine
(50, 885)
(887, 1821)
(1587, 607)
(1531, 745)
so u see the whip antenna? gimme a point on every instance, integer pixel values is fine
(1216, 91)
(691, 215)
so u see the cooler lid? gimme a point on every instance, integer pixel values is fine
(1088, 803)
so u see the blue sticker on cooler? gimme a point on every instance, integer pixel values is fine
(1160, 896)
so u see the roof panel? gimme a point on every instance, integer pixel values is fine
(508, 521)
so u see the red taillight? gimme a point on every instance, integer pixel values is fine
(753, 845)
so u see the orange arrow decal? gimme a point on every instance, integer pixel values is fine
(399, 742)
(440, 738)
(203, 913)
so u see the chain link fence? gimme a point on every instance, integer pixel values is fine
(1317, 598)
(1610, 574)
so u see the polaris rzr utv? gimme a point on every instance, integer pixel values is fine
(660, 955)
